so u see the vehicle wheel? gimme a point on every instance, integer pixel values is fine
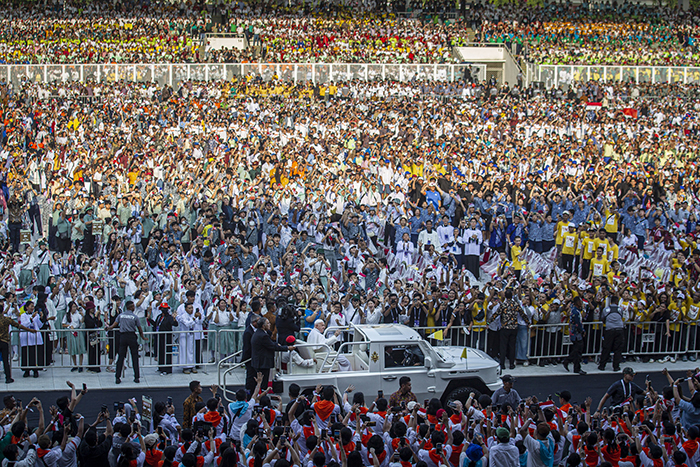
(462, 394)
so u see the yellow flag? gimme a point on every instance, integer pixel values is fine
(437, 335)
(464, 353)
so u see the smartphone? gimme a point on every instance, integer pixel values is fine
(438, 447)
(371, 423)
(283, 440)
(324, 434)
(170, 401)
(135, 427)
(84, 387)
(425, 402)
(104, 408)
(380, 394)
(432, 427)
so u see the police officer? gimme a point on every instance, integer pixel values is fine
(128, 323)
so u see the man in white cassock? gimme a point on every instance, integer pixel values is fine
(316, 337)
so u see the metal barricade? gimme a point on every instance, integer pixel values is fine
(158, 350)
(63, 348)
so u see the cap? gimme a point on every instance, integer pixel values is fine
(502, 433)
(628, 371)
(89, 306)
(571, 225)
(290, 340)
(150, 439)
(411, 405)
(566, 395)
(507, 378)
(164, 306)
(475, 452)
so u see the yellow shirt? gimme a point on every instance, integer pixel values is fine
(613, 253)
(599, 267)
(588, 247)
(598, 243)
(475, 312)
(613, 278)
(562, 227)
(693, 311)
(611, 221)
(515, 257)
(569, 241)
(676, 316)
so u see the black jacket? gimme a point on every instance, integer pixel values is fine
(263, 350)
(247, 336)
(286, 326)
(165, 322)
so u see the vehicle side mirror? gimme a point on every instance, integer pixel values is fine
(428, 362)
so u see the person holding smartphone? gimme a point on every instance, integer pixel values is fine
(93, 454)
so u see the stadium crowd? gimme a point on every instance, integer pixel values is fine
(321, 427)
(361, 202)
(132, 31)
(614, 33)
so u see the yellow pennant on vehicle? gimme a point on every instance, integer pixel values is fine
(437, 335)
(464, 353)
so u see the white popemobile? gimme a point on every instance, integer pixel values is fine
(381, 354)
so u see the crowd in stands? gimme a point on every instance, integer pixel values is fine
(360, 202)
(320, 427)
(140, 31)
(593, 34)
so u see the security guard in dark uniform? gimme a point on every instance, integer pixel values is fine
(128, 323)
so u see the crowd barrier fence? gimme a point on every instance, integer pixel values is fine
(219, 346)
(563, 75)
(175, 73)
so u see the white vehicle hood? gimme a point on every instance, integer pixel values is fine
(476, 358)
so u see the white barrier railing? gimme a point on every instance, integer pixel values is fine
(174, 73)
(557, 75)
